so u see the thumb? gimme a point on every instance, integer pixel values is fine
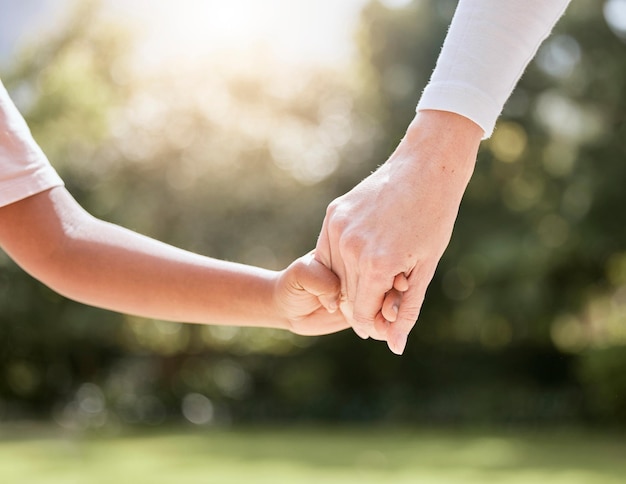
(319, 280)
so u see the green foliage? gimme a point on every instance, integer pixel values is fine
(239, 162)
(603, 374)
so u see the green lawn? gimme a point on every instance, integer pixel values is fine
(313, 455)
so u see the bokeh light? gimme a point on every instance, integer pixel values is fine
(171, 34)
(615, 15)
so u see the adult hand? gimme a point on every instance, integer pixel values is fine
(397, 223)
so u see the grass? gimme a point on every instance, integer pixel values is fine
(312, 455)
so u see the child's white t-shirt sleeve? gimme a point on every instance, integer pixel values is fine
(24, 168)
(488, 46)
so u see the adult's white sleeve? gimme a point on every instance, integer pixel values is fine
(488, 46)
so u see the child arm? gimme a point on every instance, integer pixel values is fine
(101, 264)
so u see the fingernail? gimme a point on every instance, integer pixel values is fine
(398, 343)
(332, 307)
(395, 308)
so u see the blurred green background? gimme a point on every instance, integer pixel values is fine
(236, 155)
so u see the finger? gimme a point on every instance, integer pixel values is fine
(391, 304)
(320, 281)
(369, 299)
(381, 328)
(346, 311)
(323, 254)
(360, 332)
(349, 281)
(330, 302)
(322, 248)
(323, 323)
(406, 318)
(331, 322)
(401, 282)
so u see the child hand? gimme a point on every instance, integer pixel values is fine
(307, 295)
(389, 311)
(391, 303)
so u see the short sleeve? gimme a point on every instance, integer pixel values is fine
(24, 168)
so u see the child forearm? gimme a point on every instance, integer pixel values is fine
(134, 274)
(105, 265)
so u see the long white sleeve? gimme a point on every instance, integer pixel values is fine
(488, 46)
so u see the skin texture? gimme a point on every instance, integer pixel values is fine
(97, 263)
(384, 238)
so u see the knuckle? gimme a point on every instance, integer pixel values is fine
(336, 210)
(333, 207)
(338, 221)
(353, 241)
(380, 263)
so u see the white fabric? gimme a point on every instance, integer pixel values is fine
(24, 169)
(488, 46)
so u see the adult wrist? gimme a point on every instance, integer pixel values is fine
(439, 142)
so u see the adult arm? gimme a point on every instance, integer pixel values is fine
(399, 220)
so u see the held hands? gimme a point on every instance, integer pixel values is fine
(385, 237)
(307, 294)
